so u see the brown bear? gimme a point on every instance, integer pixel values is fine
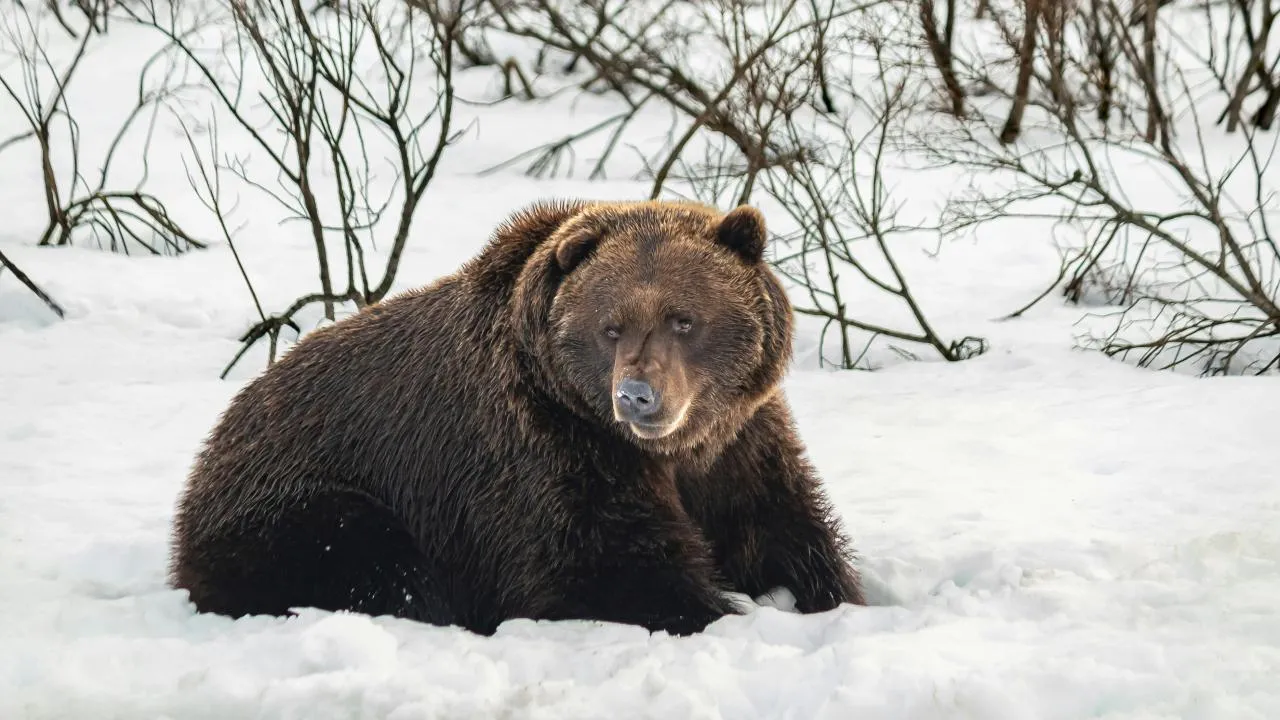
(583, 422)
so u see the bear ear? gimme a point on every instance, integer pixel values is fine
(576, 242)
(742, 230)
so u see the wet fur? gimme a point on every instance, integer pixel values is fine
(432, 458)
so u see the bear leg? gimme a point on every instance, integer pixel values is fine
(640, 560)
(785, 538)
(639, 591)
(332, 550)
(763, 510)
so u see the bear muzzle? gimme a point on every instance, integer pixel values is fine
(640, 406)
(636, 401)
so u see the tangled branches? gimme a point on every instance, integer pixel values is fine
(342, 89)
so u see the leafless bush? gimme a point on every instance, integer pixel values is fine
(1244, 59)
(939, 36)
(94, 12)
(1175, 222)
(36, 83)
(847, 222)
(762, 116)
(324, 97)
(465, 21)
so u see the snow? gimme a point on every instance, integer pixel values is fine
(1044, 532)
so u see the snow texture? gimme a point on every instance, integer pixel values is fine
(1045, 533)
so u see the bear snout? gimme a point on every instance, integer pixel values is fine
(636, 401)
(650, 410)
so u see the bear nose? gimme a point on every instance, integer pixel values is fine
(637, 400)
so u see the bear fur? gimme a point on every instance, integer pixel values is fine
(467, 453)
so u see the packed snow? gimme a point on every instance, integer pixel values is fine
(1044, 532)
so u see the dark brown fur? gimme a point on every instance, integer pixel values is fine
(455, 454)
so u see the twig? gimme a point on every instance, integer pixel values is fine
(5, 262)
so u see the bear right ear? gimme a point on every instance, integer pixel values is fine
(742, 231)
(575, 243)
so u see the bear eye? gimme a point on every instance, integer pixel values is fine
(613, 333)
(682, 324)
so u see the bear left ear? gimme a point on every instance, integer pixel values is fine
(742, 231)
(575, 244)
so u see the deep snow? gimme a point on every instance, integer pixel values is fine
(1045, 533)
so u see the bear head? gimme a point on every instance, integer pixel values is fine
(661, 320)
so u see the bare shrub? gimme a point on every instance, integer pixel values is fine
(847, 219)
(104, 211)
(1175, 221)
(94, 12)
(1244, 60)
(939, 37)
(325, 98)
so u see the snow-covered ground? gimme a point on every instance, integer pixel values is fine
(1045, 533)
